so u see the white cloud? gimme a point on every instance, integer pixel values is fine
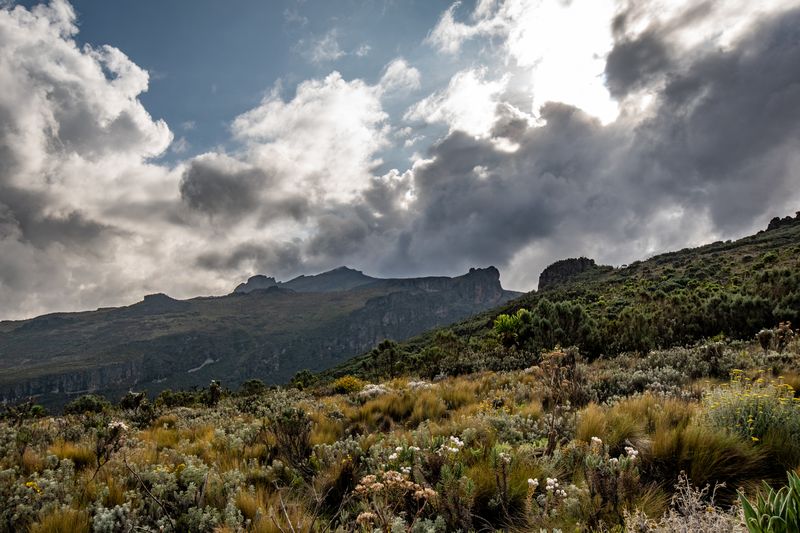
(399, 76)
(325, 48)
(324, 140)
(448, 35)
(363, 50)
(468, 104)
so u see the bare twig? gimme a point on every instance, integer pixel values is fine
(159, 502)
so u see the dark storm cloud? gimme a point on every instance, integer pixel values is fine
(217, 186)
(632, 64)
(275, 258)
(718, 145)
(26, 213)
(729, 124)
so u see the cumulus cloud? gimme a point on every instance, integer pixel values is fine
(674, 134)
(323, 142)
(399, 76)
(468, 103)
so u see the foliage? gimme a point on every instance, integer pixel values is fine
(774, 511)
(88, 403)
(764, 411)
(348, 384)
(489, 450)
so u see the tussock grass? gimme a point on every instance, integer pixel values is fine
(80, 454)
(707, 455)
(428, 406)
(62, 520)
(161, 437)
(31, 461)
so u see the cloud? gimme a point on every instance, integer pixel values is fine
(468, 104)
(399, 76)
(71, 126)
(363, 50)
(325, 48)
(220, 185)
(323, 142)
(713, 157)
(700, 142)
(449, 34)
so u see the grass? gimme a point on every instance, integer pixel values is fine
(476, 442)
(62, 520)
(81, 454)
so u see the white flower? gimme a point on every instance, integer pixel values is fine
(398, 449)
(393, 457)
(533, 483)
(116, 424)
(596, 440)
(632, 453)
(414, 448)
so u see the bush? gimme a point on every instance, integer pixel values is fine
(89, 403)
(761, 411)
(348, 384)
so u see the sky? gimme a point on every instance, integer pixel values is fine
(181, 147)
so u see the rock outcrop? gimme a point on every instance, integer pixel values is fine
(564, 270)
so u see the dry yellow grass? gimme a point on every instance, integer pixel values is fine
(160, 436)
(32, 461)
(79, 453)
(63, 520)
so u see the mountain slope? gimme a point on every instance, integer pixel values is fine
(268, 333)
(731, 288)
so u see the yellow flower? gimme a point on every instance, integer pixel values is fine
(755, 439)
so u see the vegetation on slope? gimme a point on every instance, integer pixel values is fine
(655, 443)
(726, 289)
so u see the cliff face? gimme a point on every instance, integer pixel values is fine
(562, 271)
(270, 334)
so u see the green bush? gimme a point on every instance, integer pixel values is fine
(89, 403)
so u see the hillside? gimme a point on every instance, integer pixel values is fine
(730, 289)
(268, 334)
(510, 435)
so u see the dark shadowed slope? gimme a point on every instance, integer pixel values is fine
(269, 333)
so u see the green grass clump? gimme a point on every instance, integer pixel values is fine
(774, 511)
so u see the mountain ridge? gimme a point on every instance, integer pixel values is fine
(268, 334)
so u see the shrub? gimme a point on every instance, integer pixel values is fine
(348, 384)
(707, 455)
(292, 431)
(88, 403)
(761, 411)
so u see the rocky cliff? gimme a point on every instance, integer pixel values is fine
(268, 333)
(564, 270)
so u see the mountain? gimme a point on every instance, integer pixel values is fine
(264, 329)
(338, 279)
(728, 289)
